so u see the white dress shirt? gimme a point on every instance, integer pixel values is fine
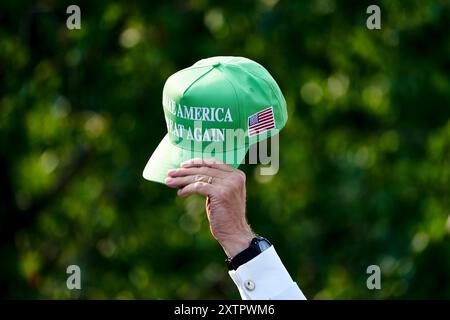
(265, 278)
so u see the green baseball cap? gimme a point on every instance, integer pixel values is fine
(217, 108)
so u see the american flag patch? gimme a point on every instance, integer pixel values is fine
(261, 121)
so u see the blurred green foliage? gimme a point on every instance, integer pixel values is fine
(365, 157)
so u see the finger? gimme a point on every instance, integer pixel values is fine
(179, 182)
(206, 171)
(210, 162)
(183, 181)
(202, 188)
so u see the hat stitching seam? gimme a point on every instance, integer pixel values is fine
(197, 79)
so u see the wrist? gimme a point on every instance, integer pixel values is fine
(237, 243)
(256, 247)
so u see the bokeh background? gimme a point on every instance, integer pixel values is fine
(365, 157)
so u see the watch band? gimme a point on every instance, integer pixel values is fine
(253, 250)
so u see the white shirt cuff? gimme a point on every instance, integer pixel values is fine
(265, 278)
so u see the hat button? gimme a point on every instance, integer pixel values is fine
(216, 64)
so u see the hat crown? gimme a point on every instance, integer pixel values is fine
(212, 102)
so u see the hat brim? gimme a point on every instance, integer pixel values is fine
(169, 156)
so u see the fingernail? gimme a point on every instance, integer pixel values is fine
(188, 163)
(171, 171)
(168, 180)
(179, 191)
